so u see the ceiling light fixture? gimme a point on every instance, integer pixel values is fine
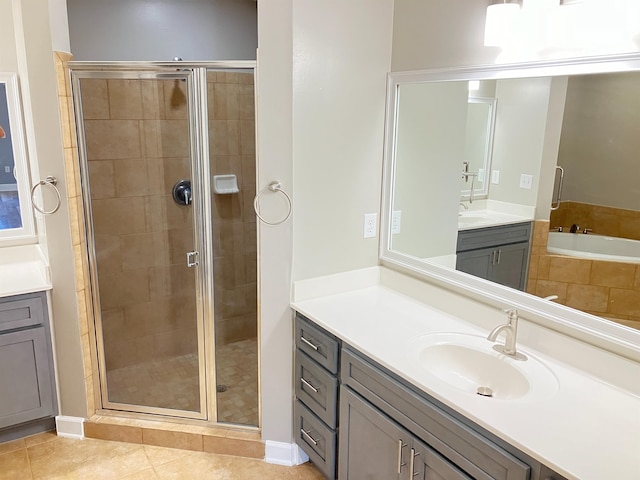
(501, 22)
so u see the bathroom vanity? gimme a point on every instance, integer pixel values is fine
(497, 253)
(370, 399)
(27, 382)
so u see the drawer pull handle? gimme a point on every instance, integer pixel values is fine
(414, 454)
(315, 347)
(401, 464)
(308, 384)
(306, 434)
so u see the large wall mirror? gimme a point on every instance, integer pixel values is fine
(506, 130)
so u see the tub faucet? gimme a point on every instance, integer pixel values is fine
(510, 330)
(574, 228)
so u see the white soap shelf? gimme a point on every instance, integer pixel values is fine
(225, 184)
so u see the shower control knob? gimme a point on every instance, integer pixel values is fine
(182, 192)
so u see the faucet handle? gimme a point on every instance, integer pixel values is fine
(512, 314)
(587, 230)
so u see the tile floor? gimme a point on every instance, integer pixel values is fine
(173, 383)
(47, 456)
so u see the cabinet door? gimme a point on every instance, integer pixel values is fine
(371, 445)
(427, 464)
(478, 263)
(510, 267)
(25, 384)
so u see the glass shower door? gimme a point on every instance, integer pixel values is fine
(136, 141)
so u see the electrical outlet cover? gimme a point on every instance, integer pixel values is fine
(369, 225)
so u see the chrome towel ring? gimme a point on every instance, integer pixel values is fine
(50, 182)
(276, 188)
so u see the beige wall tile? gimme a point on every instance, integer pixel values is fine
(226, 101)
(185, 441)
(630, 228)
(101, 179)
(118, 433)
(246, 100)
(636, 282)
(166, 138)
(533, 266)
(545, 288)
(152, 99)
(125, 99)
(117, 290)
(119, 216)
(95, 98)
(587, 297)
(233, 446)
(179, 242)
(570, 270)
(224, 137)
(70, 168)
(247, 137)
(612, 274)
(112, 139)
(169, 281)
(65, 120)
(624, 302)
(131, 178)
(137, 251)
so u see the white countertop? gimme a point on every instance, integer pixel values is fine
(471, 219)
(23, 270)
(588, 429)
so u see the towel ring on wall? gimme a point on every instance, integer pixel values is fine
(277, 188)
(51, 182)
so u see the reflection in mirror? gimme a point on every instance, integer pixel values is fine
(478, 141)
(16, 218)
(9, 201)
(586, 124)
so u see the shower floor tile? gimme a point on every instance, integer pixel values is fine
(173, 383)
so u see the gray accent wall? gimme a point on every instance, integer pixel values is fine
(163, 29)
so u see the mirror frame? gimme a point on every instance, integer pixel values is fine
(591, 329)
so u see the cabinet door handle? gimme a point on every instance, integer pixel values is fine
(315, 347)
(302, 379)
(499, 255)
(401, 464)
(306, 434)
(493, 257)
(414, 454)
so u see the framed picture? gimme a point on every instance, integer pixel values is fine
(16, 218)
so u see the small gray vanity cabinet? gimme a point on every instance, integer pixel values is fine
(27, 385)
(316, 389)
(499, 254)
(386, 427)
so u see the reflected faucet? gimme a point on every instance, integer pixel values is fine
(510, 330)
(466, 174)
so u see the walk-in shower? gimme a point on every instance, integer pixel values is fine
(172, 259)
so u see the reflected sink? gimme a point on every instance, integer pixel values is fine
(469, 364)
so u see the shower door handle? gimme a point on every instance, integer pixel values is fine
(192, 259)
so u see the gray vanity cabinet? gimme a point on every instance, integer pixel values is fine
(375, 447)
(499, 254)
(27, 390)
(316, 389)
(385, 428)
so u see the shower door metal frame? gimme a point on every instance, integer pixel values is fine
(196, 76)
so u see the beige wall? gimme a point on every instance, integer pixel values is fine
(37, 75)
(600, 142)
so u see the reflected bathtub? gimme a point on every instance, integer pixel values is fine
(594, 247)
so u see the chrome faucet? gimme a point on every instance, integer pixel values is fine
(465, 175)
(464, 206)
(510, 330)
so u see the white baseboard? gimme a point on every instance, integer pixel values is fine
(280, 453)
(70, 427)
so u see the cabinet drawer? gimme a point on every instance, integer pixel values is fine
(493, 236)
(317, 389)
(319, 345)
(20, 312)
(315, 439)
(473, 453)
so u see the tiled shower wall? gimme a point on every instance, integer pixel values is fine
(232, 151)
(605, 289)
(137, 142)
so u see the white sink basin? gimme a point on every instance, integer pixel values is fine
(469, 364)
(485, 218)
